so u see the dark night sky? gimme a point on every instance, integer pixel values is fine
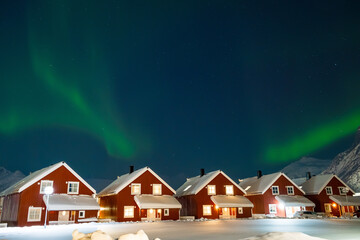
(176, 85)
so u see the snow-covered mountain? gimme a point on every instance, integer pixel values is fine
(8, 178)
(299, 168)
(346, 165)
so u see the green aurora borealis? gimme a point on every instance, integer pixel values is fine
(176, 85)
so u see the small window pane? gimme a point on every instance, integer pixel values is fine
(128, 211)
(229, 190)
(166, 212)
(275, 190)
(156, 189)
(73, 187)
(211, 190)
(34, 214)
(44, 184)
(206, 210)
(135, 188)
(272, 208)
(240, 210)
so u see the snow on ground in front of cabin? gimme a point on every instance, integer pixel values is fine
(283, 236)
(332, 229)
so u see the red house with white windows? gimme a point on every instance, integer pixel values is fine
(72, 201)
(330, 194)
(213, 195)
(275, 194)
(138, 196)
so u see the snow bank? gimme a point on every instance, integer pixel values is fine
(99, 235)
(283, 236)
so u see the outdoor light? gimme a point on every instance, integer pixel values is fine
(281, 206)
(216, 206)
(334, 205)
(63, 213)
(48, 190)
(159, 210)
(151, 211)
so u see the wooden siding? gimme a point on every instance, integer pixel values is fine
(124, 198)
(10, 209)
(192, 205)
(31, 196)
(323, 198)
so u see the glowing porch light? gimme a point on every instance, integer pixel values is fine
(151, 210)
(334, 205)
(159, 210)
(216, 207)
(63, 213)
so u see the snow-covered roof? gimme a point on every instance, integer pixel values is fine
(193, 185)
(62, 202)
(38, 175)
(231, 201)
(255, 185)
(317, 183)
(124, 180)
(299, 181)
(294, 201)
(346, 200)
(158, 202)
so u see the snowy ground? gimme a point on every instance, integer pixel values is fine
(339, 229)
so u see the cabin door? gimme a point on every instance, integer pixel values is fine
(63, 216)
(151, 214)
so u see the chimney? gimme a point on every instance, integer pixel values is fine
(131, 169)
(259, 174)
(308, 175)
(202, 172)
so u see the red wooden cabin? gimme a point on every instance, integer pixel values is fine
(275, 194)
(330, 194)
(213, 195)
(72, 200)
(138, 196)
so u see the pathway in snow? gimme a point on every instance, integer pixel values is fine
(333, 229)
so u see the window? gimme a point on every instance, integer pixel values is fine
(328, 207)
(34, 214)
(290, 190)
(156, 189)
(229, 189)
(272, 208)
(275, 190)
(342, 190)
(206, 210)
(44, 184)
(240, 210)
(166, 212)
(73, 187)
(81, 214)
(328, 190)
(135, 188)
(211, 190)
(128, 211)
(303, 208)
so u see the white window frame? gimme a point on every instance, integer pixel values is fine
(272, 206)
(205, 212)
(166, 212)
(34, 209)
(328, 192)
(156, 185)
(132, 188)
(292, 189)
(131, 209)
(43, 182)
(227, 187)
(342, 192)
(210, 188)
(272, 190)
(81, 214)
(77, 189)
(240, 210)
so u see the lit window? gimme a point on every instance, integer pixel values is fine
(166, 212)
(206, 210)
(290, 190)
(229, 189)
(156, 189)
(73, 187)
(34, 214)
(135, 188)
(81, 214)
(272, 208)
(211, 190)
(128, 211)
(328, 190)
(342, 190)
(328, 207)
(44, 184)
(240, 210)
(275, 190)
